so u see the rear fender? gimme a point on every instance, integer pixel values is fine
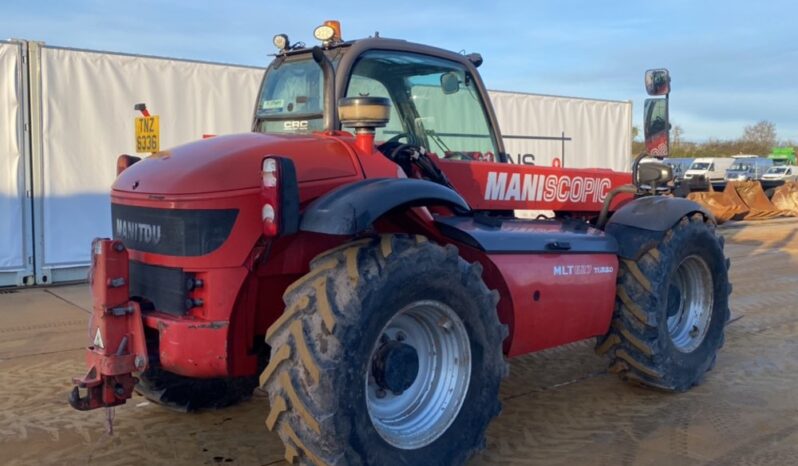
(642, 223)
(351, 209)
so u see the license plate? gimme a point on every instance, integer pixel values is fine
(148, 134)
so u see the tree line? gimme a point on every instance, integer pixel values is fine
(758, 139)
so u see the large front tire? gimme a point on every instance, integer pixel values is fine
(389, 352)
(671, 309)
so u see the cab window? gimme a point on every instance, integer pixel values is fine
(291, 99)
(435, 103)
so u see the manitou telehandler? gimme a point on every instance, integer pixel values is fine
(378, 279)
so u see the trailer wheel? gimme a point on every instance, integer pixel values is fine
(186, 394)
(389, 352)
(671, 309)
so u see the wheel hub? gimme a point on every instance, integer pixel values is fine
(674, 300)
(690, 304)
(395, 366)
(418, 374)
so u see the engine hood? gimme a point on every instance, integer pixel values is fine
(226, 163)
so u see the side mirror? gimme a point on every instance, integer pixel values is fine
(450, 82)
(658, 82)
(656, 127)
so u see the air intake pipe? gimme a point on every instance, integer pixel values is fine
(330, 115)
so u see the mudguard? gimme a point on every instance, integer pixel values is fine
(640, 224)
(353, 208)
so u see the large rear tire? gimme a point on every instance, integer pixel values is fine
(671, 309)
(389, 352)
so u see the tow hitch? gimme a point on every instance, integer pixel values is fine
(117, 346)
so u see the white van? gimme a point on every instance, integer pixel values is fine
(781, 172)
(711, 169)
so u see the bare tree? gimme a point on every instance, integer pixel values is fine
(676, 135)
(761, 136)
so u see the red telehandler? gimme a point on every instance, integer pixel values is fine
(377, 280)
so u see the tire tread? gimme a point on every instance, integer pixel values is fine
(631, 342)
(295, 376)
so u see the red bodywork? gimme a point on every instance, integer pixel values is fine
(501, 186)
(243, 279)
(556, 298)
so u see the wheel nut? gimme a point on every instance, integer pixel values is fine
(385, 338)
(400, 336)
(445, 324)
(380, 393)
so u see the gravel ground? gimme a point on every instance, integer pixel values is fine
(560, 406)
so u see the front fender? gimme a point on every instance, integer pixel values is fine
(351, 209)
(641, 224)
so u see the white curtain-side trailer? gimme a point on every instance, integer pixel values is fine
(70, 120)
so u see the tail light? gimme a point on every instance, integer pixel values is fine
(124, 161)
(279, 197)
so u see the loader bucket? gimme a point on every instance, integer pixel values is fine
(751, 195)
(786, 198)
(719, 205)
(745, 200)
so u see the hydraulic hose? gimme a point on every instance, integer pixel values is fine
(605, 208)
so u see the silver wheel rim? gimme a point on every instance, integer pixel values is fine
(688, 325)
(424, 411)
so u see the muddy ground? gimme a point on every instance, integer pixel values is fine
(560, 406)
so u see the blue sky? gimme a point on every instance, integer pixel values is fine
(733, 63)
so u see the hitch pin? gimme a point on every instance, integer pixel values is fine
(109, 420)
(109, 410)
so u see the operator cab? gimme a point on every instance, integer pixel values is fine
(437, 101)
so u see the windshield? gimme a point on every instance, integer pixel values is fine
(292, 97)
(742, 167)
(435, 103)
(699, 166)
(777, 170)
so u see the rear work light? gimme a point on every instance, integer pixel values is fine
(124, 161)
(279, 197)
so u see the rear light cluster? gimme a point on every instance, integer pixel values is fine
(279, 197)
(270, 195)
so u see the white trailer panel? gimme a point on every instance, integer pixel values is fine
(16, 263)
(87, 115)
(580, 133)
(83, 119)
